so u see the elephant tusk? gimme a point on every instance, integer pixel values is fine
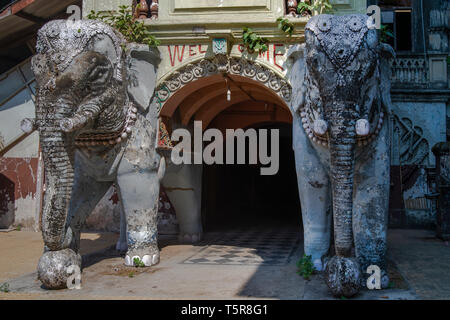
(78, 121)
(362, 127)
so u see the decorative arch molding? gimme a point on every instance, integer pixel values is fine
(217, 65)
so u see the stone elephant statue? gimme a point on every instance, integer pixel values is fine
(341, 87)
(96, 128)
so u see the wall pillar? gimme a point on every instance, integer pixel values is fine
(183, 185)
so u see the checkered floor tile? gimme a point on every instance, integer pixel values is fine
(252, 247)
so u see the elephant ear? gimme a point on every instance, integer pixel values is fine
(386, 54)
(296, 76)
(142, 64)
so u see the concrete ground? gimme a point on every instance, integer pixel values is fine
(418, 269)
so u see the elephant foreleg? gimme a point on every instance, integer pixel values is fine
(53, 266)
(139, 197)
(314, 190)
(371, 205)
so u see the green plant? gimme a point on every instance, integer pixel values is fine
(253, 42)
(304, 7)
(286, 26)
(4, 287)
(305, 267)
(131, 274)
(124, 22)
(320, 6)
(19, 227)
(385, 33)
(138, 263)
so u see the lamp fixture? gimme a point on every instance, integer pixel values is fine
(228, 90)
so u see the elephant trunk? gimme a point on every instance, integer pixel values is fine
(342, 151)
(58, 153)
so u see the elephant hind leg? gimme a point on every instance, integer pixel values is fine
(86, 194)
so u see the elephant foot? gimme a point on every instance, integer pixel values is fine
(384, 280)
(148, 256)
(343, 276)
(53, 267)
(190, 237)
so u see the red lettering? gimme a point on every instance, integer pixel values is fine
(200, 49)
(191, 50)
(277, 54)
(176, 54)
(261, 55)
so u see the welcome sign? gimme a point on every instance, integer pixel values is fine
(177, 55)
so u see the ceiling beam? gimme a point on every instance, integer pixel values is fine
(30, 17)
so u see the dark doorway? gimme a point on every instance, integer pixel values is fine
(238, 196)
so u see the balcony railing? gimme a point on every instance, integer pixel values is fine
(409, 71)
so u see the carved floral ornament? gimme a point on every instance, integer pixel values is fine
(222, 64)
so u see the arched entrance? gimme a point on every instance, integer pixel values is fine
(258, 98)
(238, 197)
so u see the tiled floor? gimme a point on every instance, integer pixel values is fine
(247, 247)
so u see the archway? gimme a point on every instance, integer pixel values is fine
(258, 98)
(186, 81)
(238, 197)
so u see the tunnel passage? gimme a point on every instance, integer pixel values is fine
(239, 197)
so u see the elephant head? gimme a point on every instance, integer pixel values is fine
(90, 84)
(343, 94)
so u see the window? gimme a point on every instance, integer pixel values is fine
(397, 16)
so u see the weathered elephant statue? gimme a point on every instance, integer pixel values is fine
(341, 85)
(96, 128)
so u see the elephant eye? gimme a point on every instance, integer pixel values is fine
(100, 75)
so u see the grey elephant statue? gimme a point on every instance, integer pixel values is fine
(96, 128)
(341, 85)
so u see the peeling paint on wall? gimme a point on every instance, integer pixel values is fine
(18, 178)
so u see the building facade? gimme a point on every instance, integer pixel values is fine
(190, 87)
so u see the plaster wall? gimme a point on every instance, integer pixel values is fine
(19, 202)
(424, 121)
